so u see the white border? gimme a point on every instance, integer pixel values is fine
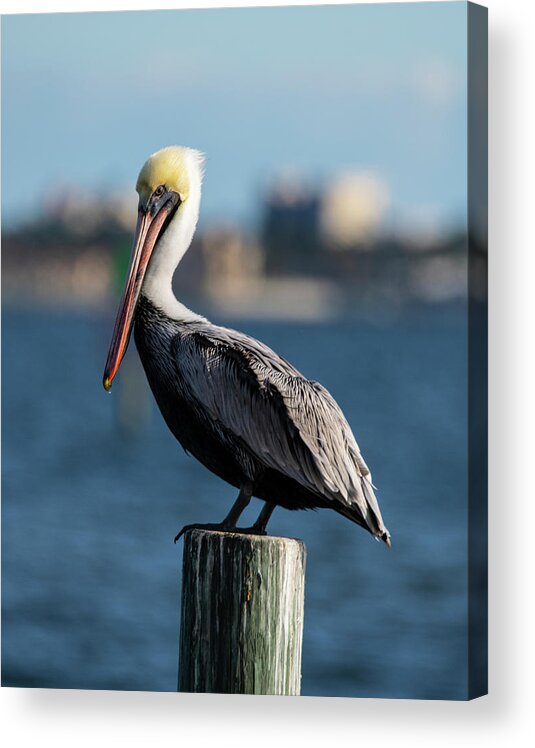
(83, 718)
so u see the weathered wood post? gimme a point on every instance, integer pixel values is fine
(242, 614)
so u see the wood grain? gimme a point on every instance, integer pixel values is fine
(242, 613)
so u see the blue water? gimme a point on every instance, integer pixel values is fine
(91, 578)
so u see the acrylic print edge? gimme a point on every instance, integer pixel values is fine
(477, 162)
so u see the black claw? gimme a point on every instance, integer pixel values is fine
(250, 530)
(182, 531)
(219, 526)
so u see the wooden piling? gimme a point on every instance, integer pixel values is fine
(242, 614)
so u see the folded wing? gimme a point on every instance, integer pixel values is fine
(289, 423)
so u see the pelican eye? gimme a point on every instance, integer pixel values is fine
(159, 191)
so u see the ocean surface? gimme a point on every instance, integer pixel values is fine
(95, 488)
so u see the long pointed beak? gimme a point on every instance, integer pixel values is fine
(147, 231)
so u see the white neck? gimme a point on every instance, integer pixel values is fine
(169, 250)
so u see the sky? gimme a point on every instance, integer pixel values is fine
(316, 90)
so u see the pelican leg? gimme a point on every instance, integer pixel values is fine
(229, 523)
(259, 527)
(263, 518)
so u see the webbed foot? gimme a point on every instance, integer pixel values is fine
(221, 526)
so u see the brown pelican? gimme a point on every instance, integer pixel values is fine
(243, 411)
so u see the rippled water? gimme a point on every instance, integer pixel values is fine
(93, 495)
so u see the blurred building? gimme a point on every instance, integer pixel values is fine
(315, 253)
(233, 264)
(290, 228)
(346, 234)
(68, 253)
(352, 212)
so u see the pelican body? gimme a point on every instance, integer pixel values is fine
(233, 403)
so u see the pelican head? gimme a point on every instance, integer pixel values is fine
(175, 169)
(169, 188)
